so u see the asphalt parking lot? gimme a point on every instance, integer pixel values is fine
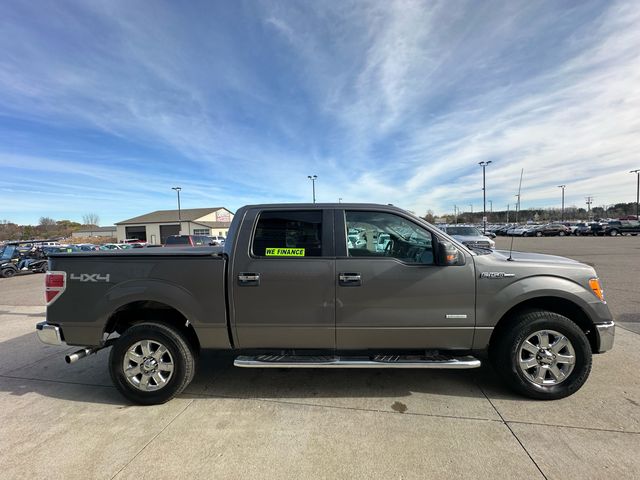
(67, 421)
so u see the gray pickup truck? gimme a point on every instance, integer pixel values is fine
(329, 286)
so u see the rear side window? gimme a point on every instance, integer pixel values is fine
(288, 234)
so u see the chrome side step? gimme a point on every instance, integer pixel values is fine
(378, 361)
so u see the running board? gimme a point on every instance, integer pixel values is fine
(378, 361)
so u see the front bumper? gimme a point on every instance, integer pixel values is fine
(606, 333)
(49, 334)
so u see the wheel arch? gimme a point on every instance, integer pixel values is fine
(140, 311)
(559, 305)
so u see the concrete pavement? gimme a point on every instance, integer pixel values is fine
(67, 421)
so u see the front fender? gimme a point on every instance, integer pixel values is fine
(493, 303)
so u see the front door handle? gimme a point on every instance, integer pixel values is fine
(350, 279)
(248, 279)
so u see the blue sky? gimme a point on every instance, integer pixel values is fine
(105, 105)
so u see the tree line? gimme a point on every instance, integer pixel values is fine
(47, 228)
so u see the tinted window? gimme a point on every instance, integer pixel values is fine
(200, 241)
(289, 234)
(376, 234)
(177, 241)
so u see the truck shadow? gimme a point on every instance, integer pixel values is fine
(217, 377)
(41, 370)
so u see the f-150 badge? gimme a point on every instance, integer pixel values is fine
(89, 277)
(496, 275)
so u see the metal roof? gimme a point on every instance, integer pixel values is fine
(166, 216)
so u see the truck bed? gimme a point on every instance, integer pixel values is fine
(189, 280)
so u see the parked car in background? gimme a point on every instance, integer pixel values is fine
(549, 230)
(87, 247)
(187, 241)
(572, 226)
(518, 231)
(502, 231)
(584, 229)
(469, 236)
(110, 246)
(620, 227)
(61, 249)
(216, 240)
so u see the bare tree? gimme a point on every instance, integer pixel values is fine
(429, 216)
(91, 219)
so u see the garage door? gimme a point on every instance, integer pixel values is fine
(166, 230)
(136, 232)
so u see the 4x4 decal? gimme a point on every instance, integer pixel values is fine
(89, 277)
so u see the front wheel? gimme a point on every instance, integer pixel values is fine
(8, 273)
(538, 234)
(542, 355)
(151, 363)
(562, 234)
(613, 233)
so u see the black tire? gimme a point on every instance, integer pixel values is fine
(613, 233)
(504, 352)
(181, 353)
(561, 234)
(538, 234)
(8, 272)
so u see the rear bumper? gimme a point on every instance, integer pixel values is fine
(49, 334)
(606, 333)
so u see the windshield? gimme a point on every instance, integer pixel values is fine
(464, 231)
(7, 252)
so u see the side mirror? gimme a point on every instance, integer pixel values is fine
(448, 254)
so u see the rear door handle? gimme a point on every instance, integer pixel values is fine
(248, 279)
(350, 279)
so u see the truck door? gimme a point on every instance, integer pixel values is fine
(282, 288)
(391, 293)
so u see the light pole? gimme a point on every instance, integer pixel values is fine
(177, 189)
(637, 172)
(562, 211)
(484, 196)
(313, 185)
(340, 200)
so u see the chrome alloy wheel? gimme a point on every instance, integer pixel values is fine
(546, 358)
(148, 365)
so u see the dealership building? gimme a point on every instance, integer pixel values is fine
(156, 226)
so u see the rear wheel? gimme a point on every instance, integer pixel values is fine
(151, 363)
(613, 233)
(542, 355)
(538, 234)
(562, 234)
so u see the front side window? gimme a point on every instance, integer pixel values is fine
(378, 234)
(288, 234)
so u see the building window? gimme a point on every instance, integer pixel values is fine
(201, 231)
